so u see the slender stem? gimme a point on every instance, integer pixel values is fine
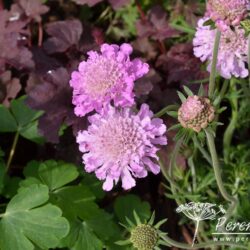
(192, 167)
(12, 151)
(207, 244)
(228, 135)
(169, 174)
(40, 34)
(217, 172)
(224, 89)
(196, 232)
(202, 150)
(165, 110)
(1, 215)
(214, 64)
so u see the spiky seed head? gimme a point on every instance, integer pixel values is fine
(144, 237)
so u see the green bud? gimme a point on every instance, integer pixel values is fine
(144, 237)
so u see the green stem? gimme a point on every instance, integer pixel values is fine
(193, 172)
(228, 135)
(208, 244)
(12, 151)
(217, 172)
(202, 150)
(169, 174)
(165, 110)
(214, 64)
(1, 215)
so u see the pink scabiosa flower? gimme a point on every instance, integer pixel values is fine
(105, 77)
(232, 57)
(227, 12)
(120, 144)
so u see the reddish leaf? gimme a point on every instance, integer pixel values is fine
(64, 34)
(9, 88)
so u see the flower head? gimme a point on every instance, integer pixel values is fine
(232, 55)
(226, 13)
(120, 144)
(196, 113)
(105, 77)
(144, 235)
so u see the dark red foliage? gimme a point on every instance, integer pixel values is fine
(31, 9)
(64, 34)
(13, 42)
(180, 64)
(156, 25)
(52, 94)
(9, 88)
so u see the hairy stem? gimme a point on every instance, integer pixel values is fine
(228, 135)
(217, 172)
(168, 174)
(193, 172)
(12, 151)
(208, 244)
(202, 150)
(214, 63)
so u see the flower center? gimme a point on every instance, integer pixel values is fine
(118, 139)
(144, 237)
(101, 75)
(191, 108)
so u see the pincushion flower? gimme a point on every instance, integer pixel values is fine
(105, 77)
(232, 57)
(226, 13)
(120, 144)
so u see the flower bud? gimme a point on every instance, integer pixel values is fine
(196, 113)
(144, 237)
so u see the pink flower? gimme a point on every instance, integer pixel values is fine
(120, 144)
(232, 57)
(105, 77)
(227, 12)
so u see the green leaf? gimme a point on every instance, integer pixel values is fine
(23, 114)
(7, 121)
(173, 114)
(181, 96)
(94, 184)
(86, 239)
(188, 91)
(31, 133)
(125, 205)
(103, 225)
(28, 221)
(31, 169)
(11, 186)
(57, 174)
(75, 201)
